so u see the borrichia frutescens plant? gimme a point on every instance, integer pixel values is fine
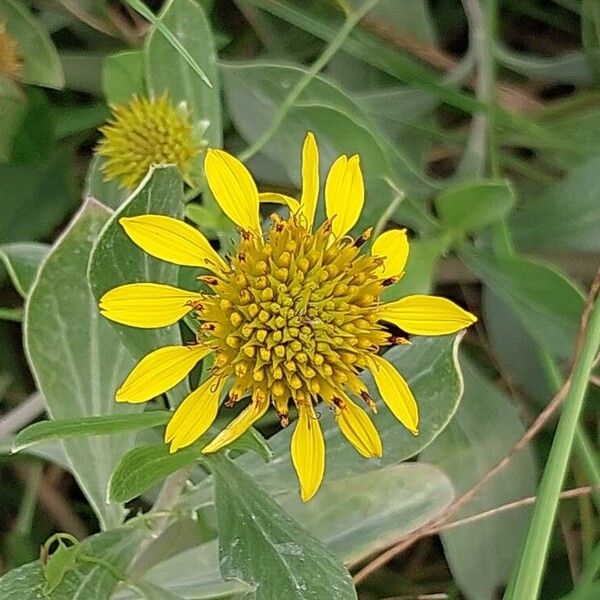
(294, 314)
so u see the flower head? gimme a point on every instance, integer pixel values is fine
(11, 61)
(292, 318)
(145, 132)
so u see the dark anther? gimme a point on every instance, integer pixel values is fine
(212, 281)
(398, 339)
(363, 237)
(338, 402)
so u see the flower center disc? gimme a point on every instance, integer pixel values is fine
(294, 318)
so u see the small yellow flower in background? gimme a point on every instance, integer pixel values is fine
(145, 132)
(294, 314)
(11, 61)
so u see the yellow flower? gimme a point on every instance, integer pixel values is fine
(143, 133)
(11, 61)
(294, 314)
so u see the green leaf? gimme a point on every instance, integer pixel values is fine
(22, 261)
(36, 199)
(77, 358)
(262, 545)
(35, 140)
(87, 579)
(354, 517)
(421, 268)
(168, 71)
(123, 76)
(546, 302)
(12, 109)
(483, 431)
(252, 441)
(150, 591)
(41, 65)
(194, 573)
(370, 49)
(517, 352)
(254, 90)
(68, 428)
(567, 67)
(166, 32)
(116, 260)
(143, 467)
(359, 515)
(567, 215)
(590, 33)
(75, 119)
(96, 186)
(468, 207)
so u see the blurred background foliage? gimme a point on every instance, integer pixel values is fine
(478, 126)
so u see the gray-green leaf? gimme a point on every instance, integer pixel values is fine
(261, 544)
(77, 358)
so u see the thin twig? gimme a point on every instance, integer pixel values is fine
(388, 213)
(567, 494)
(334, 45)
(30, 409)
(542, 419)
(54, 504)
(438, 596)
(162, 510)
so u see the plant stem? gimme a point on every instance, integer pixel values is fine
(334, 45)
(531, 567)
(583, 449)
(27, 508)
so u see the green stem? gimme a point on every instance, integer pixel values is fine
(588, 575)
(27, 508)
(530, 571)
(334, 45)
(583, 448)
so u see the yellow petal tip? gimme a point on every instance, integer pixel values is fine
(306, 495)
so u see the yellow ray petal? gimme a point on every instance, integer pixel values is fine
(308, 452)
(159, 371)
(344, 194)
(195, 414)
(395, 392)
(426, 315)
(393, 247)
(172, 240)
(310, 181)
(234, 189)
(358, 429)
(276, 198)
(147, 305)
(255, 410)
